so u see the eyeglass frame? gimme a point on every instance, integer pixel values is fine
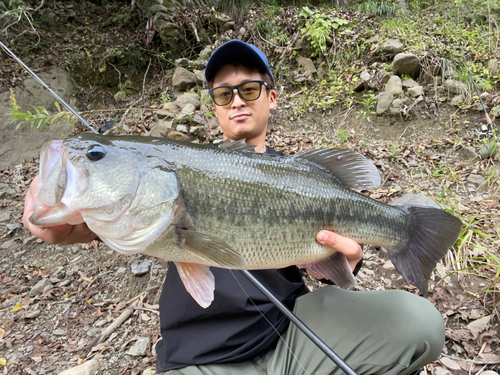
(237, 88)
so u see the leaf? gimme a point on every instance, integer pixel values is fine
(3, 361)
(17, 308)
(477, 326)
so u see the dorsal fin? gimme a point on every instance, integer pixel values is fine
(352, 169)
(237, 146)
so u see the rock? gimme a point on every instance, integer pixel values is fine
(454, 86)
(198, 120)
(394, 86)
(178, 136)
(391, 46)
(456, 100)
(120, 96)
(205, 52)
(384, 102)
(152, 371)
(164, 113)
(385, 77)
(171, 107)
(416, 91)
(419, 199)
(7, 244)
(140, 347)
(88, 368)
(406, 63)
(307, 64)
(188, 110)
(493, 67)
(373, 39)
(200, 77)
(162, 128)
(183, 79)
(59, 332)
(39, 286)
(141, 269)
(188, 98)
(33, 315)
(476, 179)
(93, 332)
(183, 62)
(4, 216)
(407, 101)
(198, 131)
(365, 76)
(182, 129)
(397, 103)
(409, 83)
(388, 265)
(469, 153)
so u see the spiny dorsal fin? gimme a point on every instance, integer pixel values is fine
(352, 169)
(237, 146)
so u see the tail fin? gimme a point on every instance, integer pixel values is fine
(432, 233)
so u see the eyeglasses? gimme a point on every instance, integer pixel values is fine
(248, 91)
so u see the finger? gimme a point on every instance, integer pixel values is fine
(350, 248)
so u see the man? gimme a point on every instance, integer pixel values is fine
(241, 332)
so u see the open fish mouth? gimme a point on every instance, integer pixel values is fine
(56, 174)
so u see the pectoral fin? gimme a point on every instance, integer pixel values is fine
(210, 248)
(199, 282)
(335, 268)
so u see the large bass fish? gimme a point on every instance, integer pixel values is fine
(201, 206)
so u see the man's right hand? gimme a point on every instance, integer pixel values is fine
(66, 234)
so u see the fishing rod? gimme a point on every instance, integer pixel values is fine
(289, 314)
(66, 105)
(300, 325)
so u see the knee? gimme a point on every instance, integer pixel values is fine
(422, 325)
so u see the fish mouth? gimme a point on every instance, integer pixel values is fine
(55, 176)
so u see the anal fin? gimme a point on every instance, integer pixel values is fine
(335, 268)
(198, 281)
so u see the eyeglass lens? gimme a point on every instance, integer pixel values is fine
(247, 91)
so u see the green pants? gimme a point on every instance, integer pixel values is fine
(375, 332)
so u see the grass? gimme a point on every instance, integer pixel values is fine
(477, 249)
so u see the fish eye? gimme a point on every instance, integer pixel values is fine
(95, 152)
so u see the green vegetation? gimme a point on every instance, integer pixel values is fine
(40, 118)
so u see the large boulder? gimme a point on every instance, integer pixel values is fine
(406, 63)
(25, 144)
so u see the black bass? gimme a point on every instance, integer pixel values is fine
(201, 206)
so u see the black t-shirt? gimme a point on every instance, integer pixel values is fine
(232, 328)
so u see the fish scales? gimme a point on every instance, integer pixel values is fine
(267, 209)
